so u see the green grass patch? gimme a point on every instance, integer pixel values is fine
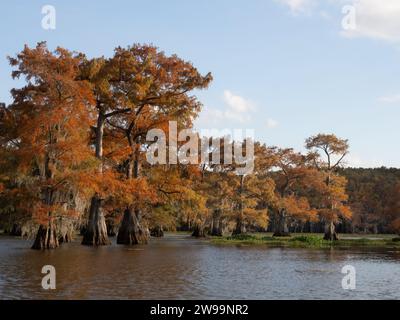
(305, 241)
(308, 240)
(242, 237)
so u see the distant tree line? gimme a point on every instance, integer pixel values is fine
(374, 199)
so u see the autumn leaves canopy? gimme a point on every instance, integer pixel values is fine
(72, 147)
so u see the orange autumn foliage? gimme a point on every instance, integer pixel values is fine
(51, 121)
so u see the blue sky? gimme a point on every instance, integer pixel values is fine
(285, 68)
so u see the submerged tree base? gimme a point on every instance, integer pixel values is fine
(16, 230)
(331, 236)
(131, 232)
(157, 232)
(65, 232)
(96, 229)
(95, 237)
(46, 238)
(65, 238)
(216, 233)
(199, 232)
(330, 232)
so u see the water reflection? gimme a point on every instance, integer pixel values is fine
(179, 267)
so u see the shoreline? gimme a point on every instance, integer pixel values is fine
(296, 240)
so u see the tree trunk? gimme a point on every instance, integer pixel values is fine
(199, 231)
(96, 230)
(82, 229)
(157, 232)
(65, 238)
(16, 230)
(99, 137)
(281, 228)
(65, 230)
(131, 232)
(330, 232)
(216, 229)
(46, 238)
(112, 228)
(240, 227)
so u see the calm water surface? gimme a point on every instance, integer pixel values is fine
(179, 267)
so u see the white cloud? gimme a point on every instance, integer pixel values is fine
(237, 103)
(238, 108)
(298, 6)
(213, 118)
(390, 99)
(376, 19)
(271, 123)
